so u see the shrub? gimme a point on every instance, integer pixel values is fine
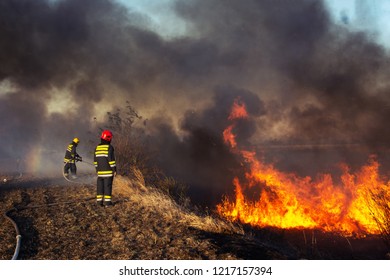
(134, 153)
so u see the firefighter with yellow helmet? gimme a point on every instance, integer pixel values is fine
(71, 157)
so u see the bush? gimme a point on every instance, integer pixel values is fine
(134, 154)
(130, 148)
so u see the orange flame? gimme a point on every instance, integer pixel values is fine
(286, 200)
(238, 111)
(229, 137)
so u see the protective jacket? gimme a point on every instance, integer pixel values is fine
(70, 154)
(104, 159)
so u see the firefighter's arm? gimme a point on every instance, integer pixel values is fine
(78, 157)
(73, 153)
(112, 161)
(95, 161)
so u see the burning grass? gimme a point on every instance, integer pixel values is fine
(146, 223)
(357, 205)
(379, 205)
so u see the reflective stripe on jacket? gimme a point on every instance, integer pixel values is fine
(70, 153)
(104, 160)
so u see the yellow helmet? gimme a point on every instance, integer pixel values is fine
(76, 140)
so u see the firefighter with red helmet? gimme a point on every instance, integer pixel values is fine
(71, 157)
(104, 161)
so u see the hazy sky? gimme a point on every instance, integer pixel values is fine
(372, 15)
(344, 12)
(163, 19)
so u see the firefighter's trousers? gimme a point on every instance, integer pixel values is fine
(71, 166)
(104, 190)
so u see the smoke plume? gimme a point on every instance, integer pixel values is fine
(307, 82)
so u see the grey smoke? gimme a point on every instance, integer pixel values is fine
(306, 81)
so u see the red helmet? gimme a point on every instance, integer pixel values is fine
(106, 135)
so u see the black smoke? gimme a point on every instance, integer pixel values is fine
(200, 157)
(307, 82)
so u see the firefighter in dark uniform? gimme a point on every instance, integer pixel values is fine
(104, 160)
(71, 156)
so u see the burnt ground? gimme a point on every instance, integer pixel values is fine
(59, 220)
